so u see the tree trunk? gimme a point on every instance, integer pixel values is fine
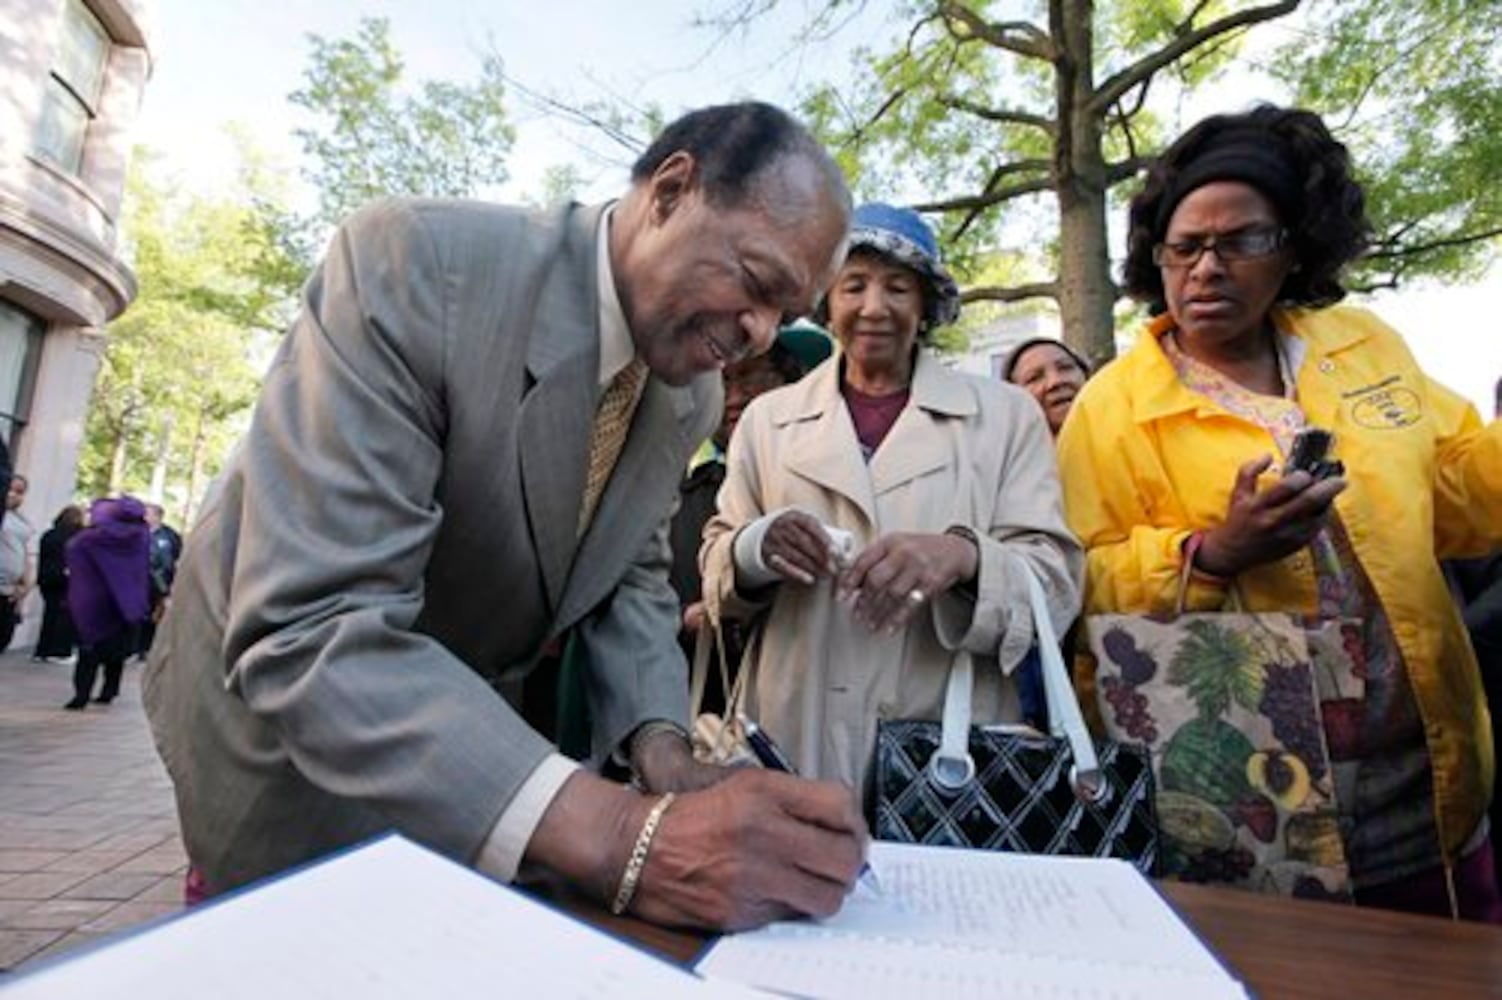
(195, 472)
(158, 488)
(1086, 291)
(117, 462)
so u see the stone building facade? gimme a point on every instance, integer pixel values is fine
(71, 77)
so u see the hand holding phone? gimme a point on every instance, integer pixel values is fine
(1310, 452)
(1264, 525)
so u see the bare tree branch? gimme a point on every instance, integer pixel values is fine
(1001, 115)
(1011, 293)
(881, 111)
(1124, 169)
(998, 175)
(1186, 25)
(967, 203)
(1387, 250)
(1369, 287)
(1021, 37)
(1118, 84)
(1396, 235)
(1124, 118)
(579, 115)
(734, 16)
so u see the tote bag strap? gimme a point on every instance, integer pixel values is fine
(952, 766)
(698, 677)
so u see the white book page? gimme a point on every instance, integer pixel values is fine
(959, 921)
(391, 920)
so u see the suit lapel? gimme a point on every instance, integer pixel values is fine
(554, 421)
(636, 498)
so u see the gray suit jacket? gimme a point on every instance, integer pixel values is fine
(396, 535)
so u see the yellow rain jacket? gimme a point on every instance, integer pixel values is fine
(1145, 462)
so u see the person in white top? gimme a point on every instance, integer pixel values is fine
(16, 571)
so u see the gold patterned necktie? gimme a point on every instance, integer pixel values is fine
(607, 436)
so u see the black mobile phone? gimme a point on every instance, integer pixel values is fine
(1310, 453)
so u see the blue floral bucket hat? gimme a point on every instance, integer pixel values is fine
(904, 236)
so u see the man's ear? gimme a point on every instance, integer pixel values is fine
(673, 180)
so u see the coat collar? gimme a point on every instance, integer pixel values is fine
(1158, 393)
(830, 454)
(934, 388)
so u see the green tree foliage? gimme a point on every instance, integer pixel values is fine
(560, 184)
(177, 370)
(218, 275)
(1414, 87)
(1021, 126)
(370, 139)
(1030, 114)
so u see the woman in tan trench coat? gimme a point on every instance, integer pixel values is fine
(880, 513)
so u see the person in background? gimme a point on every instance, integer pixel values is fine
(108, 594)
(1051, 372)
(470, 442)
(1477, 586)
(57, 639)
(6, 470)
(16, 570)
(166, 548)
(945, 486)
(1236, 244)
(797, 350)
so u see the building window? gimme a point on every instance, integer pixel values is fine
(73, 87)
(20, 352)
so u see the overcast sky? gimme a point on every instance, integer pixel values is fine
(221, 61)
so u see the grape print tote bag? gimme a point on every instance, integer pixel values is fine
(1238, 712)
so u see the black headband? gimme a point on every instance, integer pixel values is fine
(1017, 352)
(1254, 160)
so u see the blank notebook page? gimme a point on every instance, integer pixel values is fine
(389, 921)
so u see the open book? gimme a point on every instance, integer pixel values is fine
(383, 921)
(949, 922)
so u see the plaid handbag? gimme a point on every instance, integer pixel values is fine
(995, 788)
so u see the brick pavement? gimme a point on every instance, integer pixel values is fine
(88, 832)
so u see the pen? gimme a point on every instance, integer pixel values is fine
(769, 754)
(771, 757)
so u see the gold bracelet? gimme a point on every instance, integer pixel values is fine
(638, 860)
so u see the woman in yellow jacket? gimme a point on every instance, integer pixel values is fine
(1236, 243)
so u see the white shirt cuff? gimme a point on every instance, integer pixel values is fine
(501, 854)
(750, 571)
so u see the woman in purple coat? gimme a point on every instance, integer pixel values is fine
(108, 593)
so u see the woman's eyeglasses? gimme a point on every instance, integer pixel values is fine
(1244, 245)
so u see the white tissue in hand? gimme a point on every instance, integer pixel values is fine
(843, 542)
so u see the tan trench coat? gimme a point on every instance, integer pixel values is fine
(965, 451)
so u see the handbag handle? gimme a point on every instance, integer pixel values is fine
(711, 633)
(953, 767)
(698, 676)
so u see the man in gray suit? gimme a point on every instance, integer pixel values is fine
(405, 527)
